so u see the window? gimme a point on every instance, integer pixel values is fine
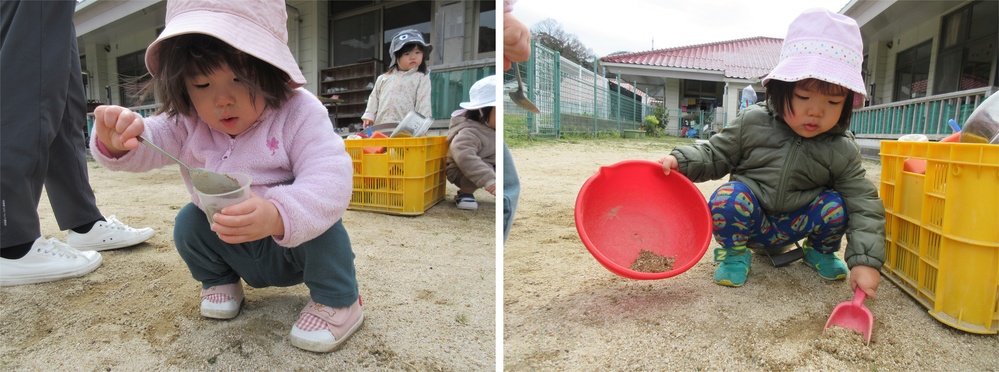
(487, 29)
(340, 6)
(912, 70)
(967, 55)
(132, 74)
(355, 38)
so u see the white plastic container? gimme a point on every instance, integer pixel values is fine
(413, 125)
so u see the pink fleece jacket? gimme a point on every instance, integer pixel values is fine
(296, 159)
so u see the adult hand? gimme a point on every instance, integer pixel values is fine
(116, 128)
(516, 41)
(367, 123)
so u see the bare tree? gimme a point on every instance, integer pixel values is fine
(551, 34)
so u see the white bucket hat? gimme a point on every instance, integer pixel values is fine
(481, 94)
(255, 27)
(822, 45)
(404, 37)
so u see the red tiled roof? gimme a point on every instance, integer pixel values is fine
(743, 58)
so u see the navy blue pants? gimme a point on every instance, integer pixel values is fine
(739, 221)
(325, 264)
(42, 121)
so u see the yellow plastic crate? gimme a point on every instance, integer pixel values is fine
(407, 179)
(942, 241)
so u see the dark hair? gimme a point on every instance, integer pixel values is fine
(782, 92)
(405, 49)
(185, 56)
(480, 114)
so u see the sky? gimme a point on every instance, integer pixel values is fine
(640, 25)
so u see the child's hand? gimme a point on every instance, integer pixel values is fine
(116, 128)
(865, 277)
(669, 163)
(252, 219)
(516, 41)
(491, 189)
(367, 123)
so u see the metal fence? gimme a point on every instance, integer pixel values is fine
(573, 100)
(928, 115)
(450, 86)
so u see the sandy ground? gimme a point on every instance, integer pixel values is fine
(427, 283)
(564, 311)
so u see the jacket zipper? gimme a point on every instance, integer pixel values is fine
(784, 174)
(232, 144)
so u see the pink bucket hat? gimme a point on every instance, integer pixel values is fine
(822, 45)
(256, 27)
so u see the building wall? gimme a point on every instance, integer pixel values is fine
(671, 100)
(313, 46)
(877, 63)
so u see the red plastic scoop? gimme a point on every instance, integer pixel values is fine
(853, 315)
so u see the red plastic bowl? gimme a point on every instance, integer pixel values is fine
(630, 206)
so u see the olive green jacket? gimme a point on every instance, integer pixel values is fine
(787, 172)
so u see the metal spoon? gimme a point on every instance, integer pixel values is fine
(204, 180)
(518, 96)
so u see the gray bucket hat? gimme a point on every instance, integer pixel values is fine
(405, 37)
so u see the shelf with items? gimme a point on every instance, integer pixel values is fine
(351, 85)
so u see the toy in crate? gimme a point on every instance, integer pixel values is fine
(942, 229)
(405, 177)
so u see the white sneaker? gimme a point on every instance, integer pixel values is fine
(47, 261)
(112, 234)
(466, 202)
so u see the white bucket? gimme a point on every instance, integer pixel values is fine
(413, 125)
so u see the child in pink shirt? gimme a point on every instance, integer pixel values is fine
(233, 102)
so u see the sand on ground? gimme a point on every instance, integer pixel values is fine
(427, 284)
(564, 311)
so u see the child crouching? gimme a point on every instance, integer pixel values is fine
(233, 102)
(471, 155)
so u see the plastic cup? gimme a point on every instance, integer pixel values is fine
(214, 203)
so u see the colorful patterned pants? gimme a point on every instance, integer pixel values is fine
(739, 221)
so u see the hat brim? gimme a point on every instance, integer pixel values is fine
(477, 105)
(246, 36)
(817, 67)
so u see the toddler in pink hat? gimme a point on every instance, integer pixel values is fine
(794, 168)
(233, 101)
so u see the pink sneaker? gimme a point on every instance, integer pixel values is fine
(323, 329)
(222, 301)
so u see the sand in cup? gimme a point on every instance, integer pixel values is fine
(214, 203)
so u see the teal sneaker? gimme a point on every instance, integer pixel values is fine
(828, 265)
(734, 266)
